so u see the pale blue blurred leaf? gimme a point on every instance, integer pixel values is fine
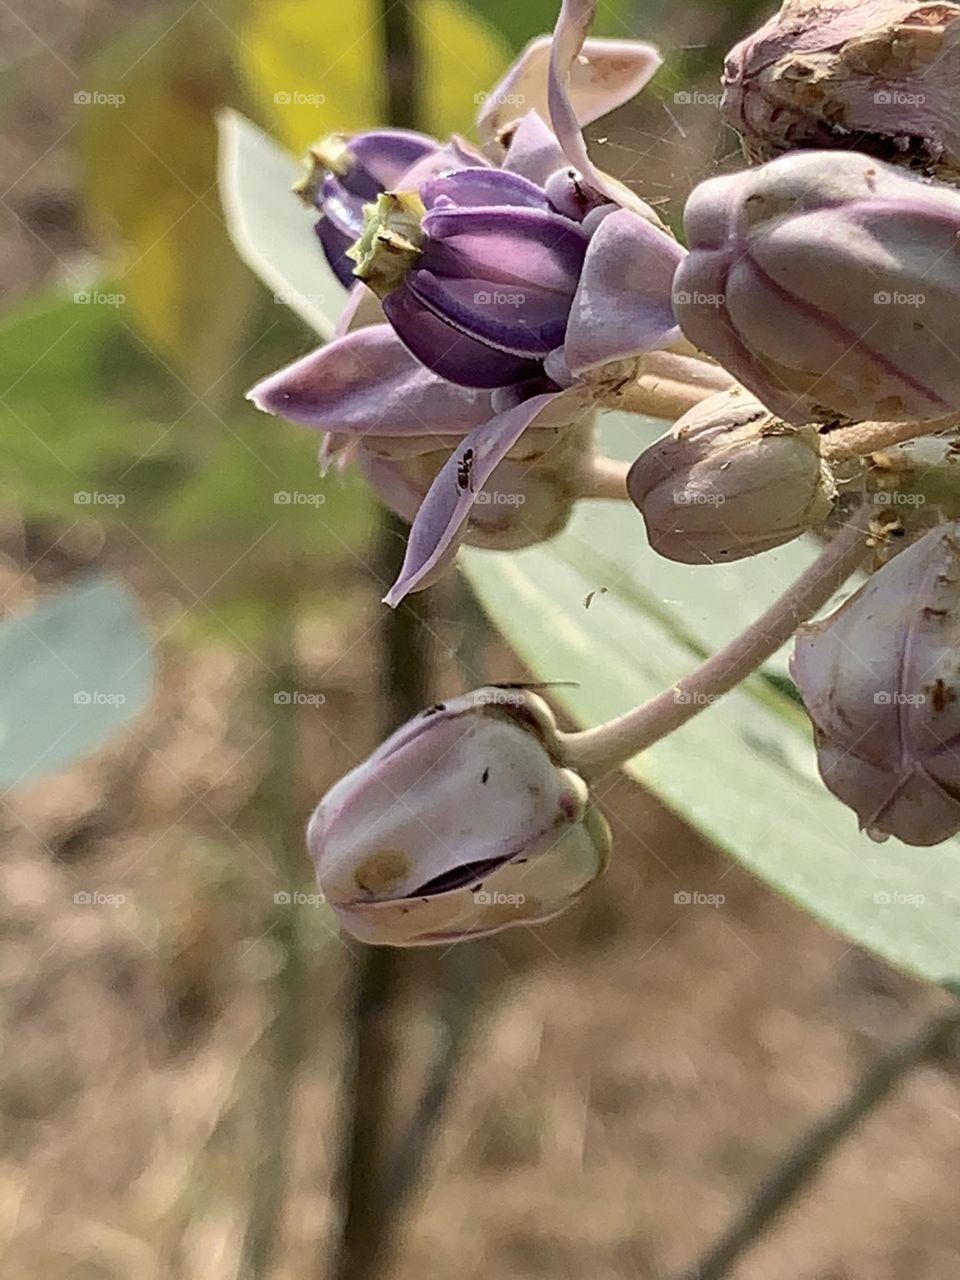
(73, 670)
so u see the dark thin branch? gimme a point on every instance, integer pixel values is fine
(802, 1164)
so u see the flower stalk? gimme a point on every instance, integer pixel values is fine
(593, 752)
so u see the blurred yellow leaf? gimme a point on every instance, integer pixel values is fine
(317, 69)
(151, 168)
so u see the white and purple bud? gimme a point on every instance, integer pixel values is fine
(878, 76)
(880, 678)
(347, 173)
(829, 285)
(730, 480)
(463, 823)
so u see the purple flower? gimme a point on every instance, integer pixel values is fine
(514, 296)
(348, 173)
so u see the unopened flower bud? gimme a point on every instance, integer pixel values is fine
(829, 284)
(879, 76)
(463, 823)
(880, 679)
(730, 480)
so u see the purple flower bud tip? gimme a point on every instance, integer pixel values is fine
(881, 682)
(829, 285)
(461, 824)
(880, 76)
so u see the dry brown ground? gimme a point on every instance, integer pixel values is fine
(638, 1068)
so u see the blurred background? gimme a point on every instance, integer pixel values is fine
(199, 1076)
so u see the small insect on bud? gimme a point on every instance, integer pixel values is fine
(878, 76)
(730, 480)
(828, 284)
(463, 823)
(880, 679)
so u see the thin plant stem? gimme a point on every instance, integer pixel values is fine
(595, 751)
(868, 437)
(806, 1159)
(284, 1045)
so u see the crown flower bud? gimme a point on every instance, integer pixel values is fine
(461, 824)
(879, 76)
(730, 480)
(880, 678)
(828, 284)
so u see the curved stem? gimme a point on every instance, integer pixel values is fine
(595, 751)
(868, 437)
(607, 478)
(670, 384)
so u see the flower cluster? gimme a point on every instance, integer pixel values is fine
(807, 344)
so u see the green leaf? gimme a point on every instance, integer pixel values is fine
(74, 670)
(271, 229)
(744, 771)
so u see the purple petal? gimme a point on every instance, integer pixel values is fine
(508, 246)
(519, 321)
(449, 353)
(483, 187)
(588, 78)
(533, 152)
(368, 383)
(623, 305)
(607, 74)
(446, 508)
(379, 158)
(455, 154)
(335, 245)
